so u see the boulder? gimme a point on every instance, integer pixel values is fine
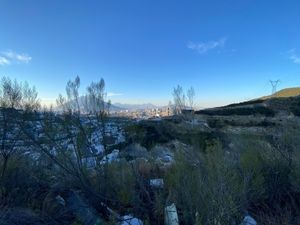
(83, 212)
(135, 151)
(111, 157)
(54, 205)
(162, 155)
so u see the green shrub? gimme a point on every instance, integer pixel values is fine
(208, 192)
(24, 184)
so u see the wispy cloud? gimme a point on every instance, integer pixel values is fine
(112, 94)
(4, 61)
(203, 47)
(292, 56)
(11, 57)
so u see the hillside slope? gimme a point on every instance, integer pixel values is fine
(267, 106)
(284, 93)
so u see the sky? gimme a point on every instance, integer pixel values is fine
(227, 50)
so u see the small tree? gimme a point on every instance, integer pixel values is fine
(83, 122)
(179, 100)
(69, 139)
(98, 106)
(191, 96)
(17, 100)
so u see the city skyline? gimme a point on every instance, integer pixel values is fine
(228, 51)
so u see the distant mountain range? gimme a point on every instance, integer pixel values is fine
(122, 106)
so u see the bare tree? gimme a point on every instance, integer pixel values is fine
(83, 120)
(69, 139)
(98, 106)
(17, 101)
(179, 99)
(191, 96)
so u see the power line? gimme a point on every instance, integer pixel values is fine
(274, 84)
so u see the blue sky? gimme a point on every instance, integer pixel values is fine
(227, 50)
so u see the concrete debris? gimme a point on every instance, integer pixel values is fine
(248, 220)
(157, 183)
(130, 220)
(171, 216)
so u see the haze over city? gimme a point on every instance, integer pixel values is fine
(227, 50)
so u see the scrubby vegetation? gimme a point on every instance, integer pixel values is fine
(265, 107)
(222, 186)
(215, 170)
(256, 110)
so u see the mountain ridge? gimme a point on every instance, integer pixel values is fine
(135, 106)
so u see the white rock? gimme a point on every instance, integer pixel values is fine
(171, 216)
(60, 200)
(109, 158)
(248, 220)
(157, 183)
(130, 220)
(99, 148)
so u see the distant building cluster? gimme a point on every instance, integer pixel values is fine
(144, 113)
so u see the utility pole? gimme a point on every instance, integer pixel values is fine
(274, 84)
